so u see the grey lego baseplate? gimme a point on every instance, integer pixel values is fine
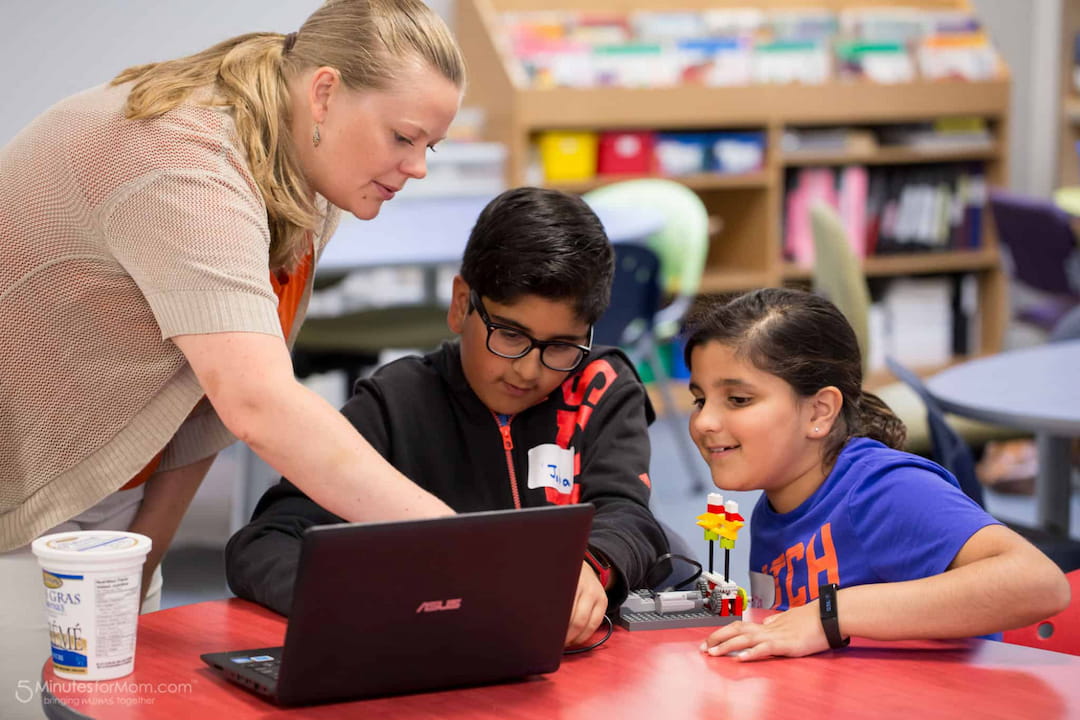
(670, 621)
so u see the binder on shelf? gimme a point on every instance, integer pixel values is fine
(889, 210)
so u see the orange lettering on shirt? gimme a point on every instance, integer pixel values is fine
(826, 563)
(774, 570)
(795, 599)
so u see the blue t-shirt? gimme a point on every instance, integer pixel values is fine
(881, 515)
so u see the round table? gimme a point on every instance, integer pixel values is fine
(1036, 389)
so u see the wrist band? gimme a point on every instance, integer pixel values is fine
(600, 565)
(829, 620)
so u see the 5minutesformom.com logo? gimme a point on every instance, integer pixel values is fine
(107, 692)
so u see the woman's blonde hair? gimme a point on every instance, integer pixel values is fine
(366, 40)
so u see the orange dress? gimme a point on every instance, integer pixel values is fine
(289, 288)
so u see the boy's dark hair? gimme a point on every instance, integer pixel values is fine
(804, 340)
(533, 241)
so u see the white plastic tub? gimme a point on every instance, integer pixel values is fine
(92, 595)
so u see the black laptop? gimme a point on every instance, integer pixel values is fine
(400, 607)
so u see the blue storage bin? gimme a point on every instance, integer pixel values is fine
(681, 153)
(735, 152)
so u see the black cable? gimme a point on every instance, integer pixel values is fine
(598, 643)
(675, 556)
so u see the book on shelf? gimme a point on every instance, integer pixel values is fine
(881, 62)
(918, 320)
(798, 141)
(950, 134)
(739, 46)
(888, 210)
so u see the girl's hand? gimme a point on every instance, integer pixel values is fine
(793, 633)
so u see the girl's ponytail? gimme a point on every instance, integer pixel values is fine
(877, 421)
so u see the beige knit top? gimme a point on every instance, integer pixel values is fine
(116, 236)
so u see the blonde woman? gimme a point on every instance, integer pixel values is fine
(159, 235)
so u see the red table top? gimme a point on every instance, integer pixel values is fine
(633, 675)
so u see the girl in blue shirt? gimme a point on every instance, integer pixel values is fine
(776, 377)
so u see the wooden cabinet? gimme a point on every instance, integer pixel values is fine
(1069, 132)
(747, 252)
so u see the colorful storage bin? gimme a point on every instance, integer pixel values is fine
(568, 156)
(623, 153)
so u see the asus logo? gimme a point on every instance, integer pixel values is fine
(437, 605)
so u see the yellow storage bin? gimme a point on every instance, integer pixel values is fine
(568, 156)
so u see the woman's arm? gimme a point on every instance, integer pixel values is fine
(997, 581)
(249, 380)
(166, 497)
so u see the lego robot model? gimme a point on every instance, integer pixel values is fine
(715, 601)
(721, 522)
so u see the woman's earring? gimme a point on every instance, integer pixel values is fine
(316, 138)
(817, 430)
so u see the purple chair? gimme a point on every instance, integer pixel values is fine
(1040, 241)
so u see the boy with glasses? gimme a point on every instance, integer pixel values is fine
(521, 411)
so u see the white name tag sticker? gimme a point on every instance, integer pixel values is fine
(551, 466)
(762, 590)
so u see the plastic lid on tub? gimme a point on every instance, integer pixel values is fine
(91, 546)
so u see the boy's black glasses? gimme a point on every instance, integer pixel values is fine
(511, 343)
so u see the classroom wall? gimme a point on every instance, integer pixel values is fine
(53, 48)
(1027, 34)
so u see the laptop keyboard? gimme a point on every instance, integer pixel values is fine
(269, 668)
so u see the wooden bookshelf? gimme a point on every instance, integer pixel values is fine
(747, 252)
(726, 281)
(1068, 172)
(891, 156)
(1071, 110)
(928, 263)
(701, 181)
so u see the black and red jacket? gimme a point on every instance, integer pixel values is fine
(422, 416)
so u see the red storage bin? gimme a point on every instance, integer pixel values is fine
(625, 153)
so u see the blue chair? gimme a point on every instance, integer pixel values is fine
(947, 448)
(1067, 328)
(1039, 239)
(630, 323)
(953, 454)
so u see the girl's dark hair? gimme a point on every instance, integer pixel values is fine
(804, 340)
(533, 241)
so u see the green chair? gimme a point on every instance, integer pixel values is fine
(838, 276)
(682, 244)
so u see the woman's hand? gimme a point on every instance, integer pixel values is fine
(590, 602)
(166, 497)
(794, 633)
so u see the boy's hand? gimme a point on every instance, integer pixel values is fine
(590, 602)
(793, 633)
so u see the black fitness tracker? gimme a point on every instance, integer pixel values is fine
(829, 620)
